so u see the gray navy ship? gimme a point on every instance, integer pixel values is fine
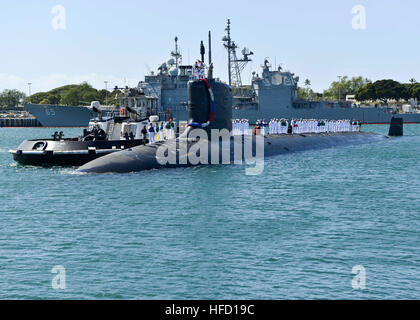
(273, 94)
(168, 85)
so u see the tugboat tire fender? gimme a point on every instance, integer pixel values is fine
(38, 144)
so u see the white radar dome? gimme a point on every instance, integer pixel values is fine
(154, 118)
(95, 104)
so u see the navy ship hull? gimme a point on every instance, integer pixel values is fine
(61, 116)
(68, 116)
(364, 115)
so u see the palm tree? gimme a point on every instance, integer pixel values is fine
(308, 88)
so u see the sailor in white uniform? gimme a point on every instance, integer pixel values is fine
(173, 135)
(246, 127)
(151, 133)
(202, 70)
(276, 126)
(196, 70)
(293, 122)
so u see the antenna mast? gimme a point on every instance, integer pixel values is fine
(202, 51)
(176, 54)
(210, 61)
(210, 73)
(235, 65)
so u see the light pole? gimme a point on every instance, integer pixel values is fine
(29, 86)
(106, 93)
(339, 88)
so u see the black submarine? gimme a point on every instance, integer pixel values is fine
(208, 139)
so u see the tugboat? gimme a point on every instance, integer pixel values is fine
(125, 129)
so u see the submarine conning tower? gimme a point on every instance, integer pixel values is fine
(209, 105)
(396, 128)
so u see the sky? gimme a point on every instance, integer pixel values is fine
(122, 41)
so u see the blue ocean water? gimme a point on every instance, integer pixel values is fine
(294, 232)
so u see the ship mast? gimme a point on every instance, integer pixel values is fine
(235, 65)
(228, 45)
(176, 54)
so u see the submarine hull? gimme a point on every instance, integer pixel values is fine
(282, 144)
(148, 157)
(210, 108)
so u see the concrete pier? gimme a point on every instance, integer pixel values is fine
(19, 122)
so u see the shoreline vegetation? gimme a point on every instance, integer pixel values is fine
(379, 92)
(69, 95)
(75, 95)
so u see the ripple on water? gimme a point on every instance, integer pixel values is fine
(296, 231)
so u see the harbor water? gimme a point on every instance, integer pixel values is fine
(294, 232)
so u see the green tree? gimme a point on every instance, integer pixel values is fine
(45, 101)
(412, 89)
(388, 89)
(38, 97)
(72, 97)
(80, 95)
(345, 86)
(113, 97)
(11, 98)
(366, 93)
(307, 93)
(415, 91)
(302, 94)
(104, 95)
(384, 90)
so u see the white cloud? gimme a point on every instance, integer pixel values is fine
(54, 80)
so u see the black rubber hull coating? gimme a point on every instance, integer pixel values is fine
(199, 104)
(146, 157)
(396, 129)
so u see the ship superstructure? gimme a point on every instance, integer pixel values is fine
(169, 84)
(274, 94)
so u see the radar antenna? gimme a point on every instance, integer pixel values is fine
(176, 54)
(235, 65)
